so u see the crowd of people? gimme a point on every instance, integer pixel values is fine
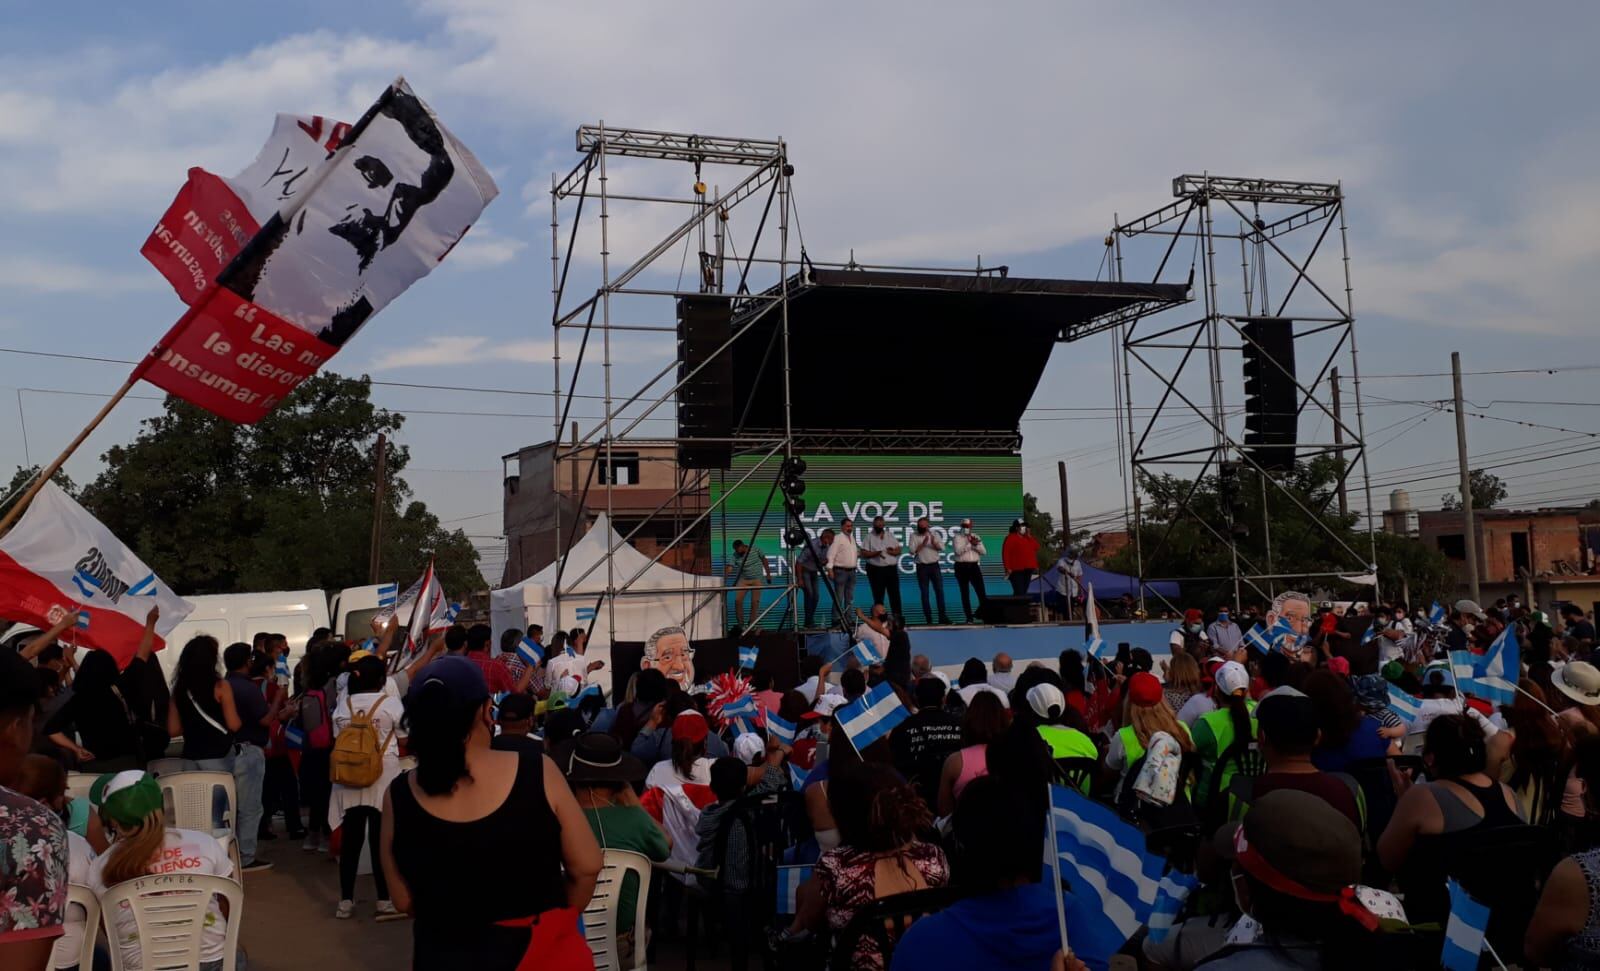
(1321, 822)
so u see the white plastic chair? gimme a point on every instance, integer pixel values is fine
(79, 783)
(190, 796)
(600, 917)
(170, 912)
(161, 767)
(79, 895)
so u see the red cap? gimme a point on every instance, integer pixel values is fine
(1144, 689)
(690, 725)
(1193, 616)
(1339, 665)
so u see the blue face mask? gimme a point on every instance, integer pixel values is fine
(1222, 618)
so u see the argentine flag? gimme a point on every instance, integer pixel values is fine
(1436, 614)
(1463, 935)
(747, 657)
(1115, 881)
(1407, 707)
(779, 729)
(530, 653)
(789, 880)
(867, 653)
(387, 594)
(872, 716)
(1256, 639)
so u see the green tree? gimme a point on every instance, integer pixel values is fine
(1043, 529)
(1487, 491)
(23, 478)
(287, 503)
(1284, 534)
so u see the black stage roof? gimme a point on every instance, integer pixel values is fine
(912, 357)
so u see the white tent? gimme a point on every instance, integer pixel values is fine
(660, 597)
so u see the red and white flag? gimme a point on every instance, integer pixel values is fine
(58, 559)
(212, 217)
(424, 608)
(348, 236)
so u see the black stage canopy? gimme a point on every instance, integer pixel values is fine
(916, 361)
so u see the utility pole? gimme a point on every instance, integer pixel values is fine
(380, 481)
(1066, 515)
(1469, 531)
(1338, 440)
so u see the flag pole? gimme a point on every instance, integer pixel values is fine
(60, 460)
(1055, 868)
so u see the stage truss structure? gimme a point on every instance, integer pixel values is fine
(1279, 229)
(759, 271)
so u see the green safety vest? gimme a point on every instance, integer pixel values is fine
(1220, 723)
(1131, 749)
(1069, 743)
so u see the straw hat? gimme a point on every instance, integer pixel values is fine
(1578, 680)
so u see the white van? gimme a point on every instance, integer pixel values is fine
(353, 608)
(232, 617)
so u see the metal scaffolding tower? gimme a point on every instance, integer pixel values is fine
(1281, 228)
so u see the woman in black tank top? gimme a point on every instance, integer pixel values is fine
(488, 850)
(201, 707)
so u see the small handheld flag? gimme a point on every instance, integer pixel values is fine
(1367, 637)
(1115, 879)
(779, 729)
(83, 620)
(747, 657)
(789, 880)
(797, 775)
(872, 716)
(1436, 614)
(867, 652)
(281, 669)
(1256, 639)
(1094, 644)
(452, 613)
(1170, 896)
(530, 653)
(294, 736)
(387, 594)
(744, 706)
(1404, 705)
(1463, 934)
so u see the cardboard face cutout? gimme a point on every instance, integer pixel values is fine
(670, 652)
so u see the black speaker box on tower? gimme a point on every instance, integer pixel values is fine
(705, 400)
(1271, 396)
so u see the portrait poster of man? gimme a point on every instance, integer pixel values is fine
(668, 650)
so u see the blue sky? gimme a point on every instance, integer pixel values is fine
(1465, 136)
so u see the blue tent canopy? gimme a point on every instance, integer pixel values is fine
(1107, 585)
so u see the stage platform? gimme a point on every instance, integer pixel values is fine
(949, 647)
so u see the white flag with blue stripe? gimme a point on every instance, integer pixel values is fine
(1115, 880)
(530, 653)
(1499, 669)
(789, 880)
(747, 657)
(1093, 644)
(744, 707)
(867, 653)
(779, 729)
(1256, 639)
(388, 593)
(1436, 614)
(1463, 934)
(1405, 706)
(1171, 894)
(797, 775)
(872, 716)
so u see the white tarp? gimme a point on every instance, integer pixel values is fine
(661, 597)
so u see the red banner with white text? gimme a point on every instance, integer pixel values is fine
(235, 358)
(203, 230)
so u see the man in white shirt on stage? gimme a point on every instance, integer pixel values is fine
(843, 556)
(925, 549)
(969, 553)
(883, 565)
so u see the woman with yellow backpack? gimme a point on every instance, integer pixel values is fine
(365, 758)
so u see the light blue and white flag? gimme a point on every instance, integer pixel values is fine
(797, 775)
(745, 707)
(280, 669)
(1437, 614)
(294, 736)
(1115, 879)
(1256, 639)
(495, 699)
(1463, 934)
(1170, 896)
(1499, 669)
(747, 657)
(590, 690)
(871, 716)
(83, 620)
(1371, 633)
(452, 613)
(388, 593)
(530, 653)
(789, 880)
(779, 729)
(1407, 707)
(867, 653)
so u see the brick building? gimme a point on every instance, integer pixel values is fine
(645, 497)
(1547, 555)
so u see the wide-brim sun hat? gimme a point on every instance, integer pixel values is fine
(597, 757)
(1578, 680)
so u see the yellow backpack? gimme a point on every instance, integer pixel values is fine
(357, 757)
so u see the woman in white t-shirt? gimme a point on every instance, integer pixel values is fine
(688, 763)
(130, 803)
(359, 810)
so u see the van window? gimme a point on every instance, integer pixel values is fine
(358, 624)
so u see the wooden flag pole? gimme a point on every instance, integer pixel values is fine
(60, 460)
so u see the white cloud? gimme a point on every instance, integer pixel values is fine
(35, 275)
(483, 248)
(442, 351)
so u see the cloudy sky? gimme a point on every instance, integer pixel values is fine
(1464, 135)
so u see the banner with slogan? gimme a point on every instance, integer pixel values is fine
(212, 217)
(901, 488)
(58, 559)
(396, 195)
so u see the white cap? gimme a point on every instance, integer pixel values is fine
(827, 703)
(749, 748)
(1232, 678)
(1047, 701)
(942, 677)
